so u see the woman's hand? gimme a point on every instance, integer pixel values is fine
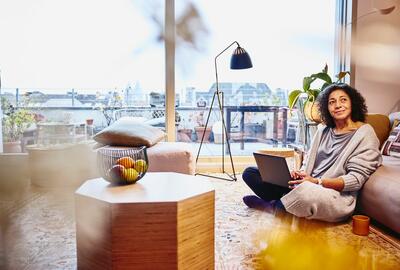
(304, 177)
(298, 174)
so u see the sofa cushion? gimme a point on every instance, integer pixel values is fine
(380, 198)
(127, 131)
(381, 125)
(392, 145)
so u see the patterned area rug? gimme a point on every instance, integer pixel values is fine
(38, 232)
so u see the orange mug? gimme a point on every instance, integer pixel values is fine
(361, 225)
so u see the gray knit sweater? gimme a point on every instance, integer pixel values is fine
(356, 162)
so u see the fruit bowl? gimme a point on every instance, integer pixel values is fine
(122, 165)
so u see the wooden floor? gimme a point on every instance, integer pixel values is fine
(38, 232)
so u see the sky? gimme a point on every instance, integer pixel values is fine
(57, 45)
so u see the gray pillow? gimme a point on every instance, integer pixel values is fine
(129, 132)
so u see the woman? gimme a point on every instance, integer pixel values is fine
(342, 156)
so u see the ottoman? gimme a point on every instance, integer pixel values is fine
(171, 157)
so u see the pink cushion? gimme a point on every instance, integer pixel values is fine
(171, 157)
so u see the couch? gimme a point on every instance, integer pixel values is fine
(380, 196)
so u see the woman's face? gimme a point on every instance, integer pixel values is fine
(339, 105)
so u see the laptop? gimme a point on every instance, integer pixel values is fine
(273, 169)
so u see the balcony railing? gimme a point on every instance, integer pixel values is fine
(248, 126)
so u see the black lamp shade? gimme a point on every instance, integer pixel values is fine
(240, 59)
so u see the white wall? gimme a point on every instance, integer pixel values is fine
(376, 55)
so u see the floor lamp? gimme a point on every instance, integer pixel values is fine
(239, 60)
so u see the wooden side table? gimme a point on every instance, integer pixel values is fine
(164, 221)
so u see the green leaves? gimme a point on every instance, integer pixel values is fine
(15, 121)
(341, 75)
(307, 82)
(323, 76)
(312, 94)
(293, 97)
(325, 85)
(325, 70)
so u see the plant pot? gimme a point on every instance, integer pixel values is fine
(185, 135)
(311, 112)
(200, 131)
(12, 147)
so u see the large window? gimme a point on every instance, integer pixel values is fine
(72, 61)
(286, 40)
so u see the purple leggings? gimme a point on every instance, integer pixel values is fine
(265, 191)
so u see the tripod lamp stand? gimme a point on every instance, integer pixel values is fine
(239, 60)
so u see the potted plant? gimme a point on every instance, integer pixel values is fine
(184, 131)
(15, 121)
(310, 108)
(108, 110)
(201, 128)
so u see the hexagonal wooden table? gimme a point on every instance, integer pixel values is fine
(164, 221)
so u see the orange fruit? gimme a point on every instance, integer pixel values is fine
(127, 162)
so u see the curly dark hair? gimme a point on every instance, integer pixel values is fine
(358, 106)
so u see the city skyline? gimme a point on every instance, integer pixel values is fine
(227, 87)
(104, 90)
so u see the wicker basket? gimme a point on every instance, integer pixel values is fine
(122, 165)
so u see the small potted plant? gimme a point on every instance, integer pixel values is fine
(310, 109)
(108, 110)
(201, 128)
(15, 121)
(184, 131)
